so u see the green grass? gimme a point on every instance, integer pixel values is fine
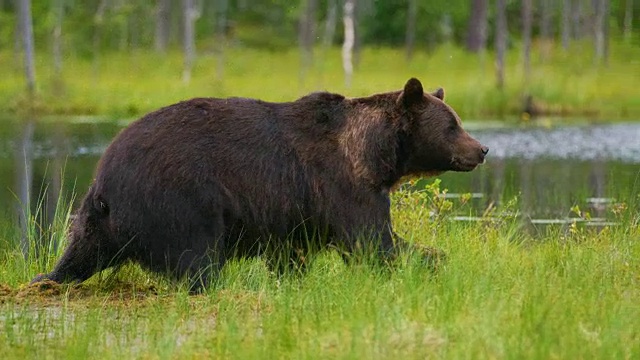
(571, 293)
(129, 84)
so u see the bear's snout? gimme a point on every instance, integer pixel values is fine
(483, 153)
(470, 153)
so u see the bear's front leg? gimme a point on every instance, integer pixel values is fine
(365, 227)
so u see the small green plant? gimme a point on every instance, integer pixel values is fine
(584, 215)
(439, 202)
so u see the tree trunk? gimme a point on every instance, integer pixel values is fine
(546, 30)
(607, 9)
(163, 22)
(17, 46)
(597, 185)
(501, 41)
(123, 42)
(600, 8)
(57, 39)
(477, 29)
(576, 30)
(306, 35)
(410, 36)
(628, 19)
(189, 45)
(349, 40)
(546, 7)
(135, 28)
(566, 23)
(26, 29)
(576, 19)
(54, 188)
(527, 188)
(526, 40)
(222, 6)
(496, 184)
(97, 35)
(24, 176)
(330, 24)
(361, 8)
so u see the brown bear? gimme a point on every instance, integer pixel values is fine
(193, 184)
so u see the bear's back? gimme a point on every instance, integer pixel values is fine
(246, 154)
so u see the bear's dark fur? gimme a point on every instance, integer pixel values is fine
(190, 185)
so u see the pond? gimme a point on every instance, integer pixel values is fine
(549, 169)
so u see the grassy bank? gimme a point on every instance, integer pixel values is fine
(572, 293)
(129, 84)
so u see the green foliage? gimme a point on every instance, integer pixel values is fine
(110, 66)
(126, 25)
(386, 22)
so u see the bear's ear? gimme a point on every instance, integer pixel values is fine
(439, 93)
(412, 92)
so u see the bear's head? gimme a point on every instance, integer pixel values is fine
(434, 139)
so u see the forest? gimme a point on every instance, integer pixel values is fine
(57, 47)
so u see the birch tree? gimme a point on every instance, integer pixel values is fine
(306, 35)
(26, 30)
(546, 7)
(97, 35)
(190, 14)
(222, 7)
(477, 28)
(330, 23)
(576, 19)
(58, 8)
(601, 10)
(163, 21)
(410, 37)
(501, 41)
(566, 24)
(349, 40)
(526, 40)
(628, 19)
(24, 179)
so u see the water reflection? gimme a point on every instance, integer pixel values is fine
(548, 187)
(549, 170)
(23, 153)
(42, 162)
(579, 142)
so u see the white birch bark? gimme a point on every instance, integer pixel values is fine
(26, 30)
(349, 41)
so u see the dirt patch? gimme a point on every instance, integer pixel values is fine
(5, 293)
(46, 288)
(122, 290)
(47, 293)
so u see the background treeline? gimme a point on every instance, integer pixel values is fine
(90, 25)
(502, 57)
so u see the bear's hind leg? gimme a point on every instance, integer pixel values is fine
(199, 263)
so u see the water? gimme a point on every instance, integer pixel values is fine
(550, 170)
(553, 169)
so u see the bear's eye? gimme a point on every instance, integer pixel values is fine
(453, 128)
